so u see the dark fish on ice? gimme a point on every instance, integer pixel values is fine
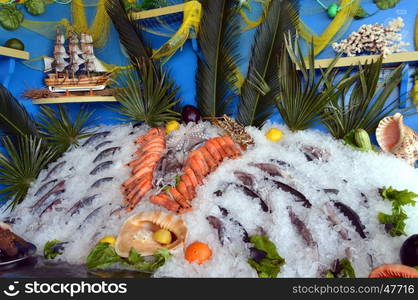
(44, 187)
(218, 193)
(225, 213)
(301, 228)
(246, 178)
(100, 167)
(86, 201)
(331, 191)
(280, 162)
(57, 167)
(105, 153)
(90, 216)
(314, 153)
(117, 210)
(102, 144)
(352, 216)
(99, 182)
(219, 226)
(300, 197)
(50, 206)
(247, 191)
(333, 218)
(270, 169)
(95, 137)
(57, 189)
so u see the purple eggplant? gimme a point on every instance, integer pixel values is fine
(190, 114)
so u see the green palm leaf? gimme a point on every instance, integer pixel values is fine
(147, 94)
(60, 130)
(257, 92)
(21, 165)
(129, 33)
(219, 39)
(14, 119)
(367, 103)
(302, 96)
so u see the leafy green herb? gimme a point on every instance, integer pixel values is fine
(104, 255)
(269, 266)
(35, 7)
(178, 179)
(49, 251)
(386, 4)
(10, 17)
(395, 223)
(343, 269)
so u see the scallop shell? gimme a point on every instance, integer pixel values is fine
(137, 232)
(395, 137)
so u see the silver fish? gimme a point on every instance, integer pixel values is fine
(44, 187)
(101, 181)
(105, 153)
(86, 201)
(100, 167)
(219, 226)
(90, 216)
(96, 137)
(50, 206)
(58, 166)
(270, 169)
(102, 144)
(57, 189)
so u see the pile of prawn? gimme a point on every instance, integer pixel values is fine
(199, 163)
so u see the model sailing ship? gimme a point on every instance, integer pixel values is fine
(75, 70)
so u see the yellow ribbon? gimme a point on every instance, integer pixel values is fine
(190, 27)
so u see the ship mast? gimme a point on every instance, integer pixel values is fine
(91, 63)
(75, 52)
(58, 64)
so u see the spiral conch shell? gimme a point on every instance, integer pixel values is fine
(394, 136)
(137, 232)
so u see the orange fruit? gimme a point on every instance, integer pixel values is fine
(198, 251)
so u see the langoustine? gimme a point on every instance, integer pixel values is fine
(199, 164)
(151, 148)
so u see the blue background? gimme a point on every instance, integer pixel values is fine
(183, 64)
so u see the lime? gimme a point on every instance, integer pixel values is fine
(162, 236)
(15, 44)
(274, 135)
(108, 239)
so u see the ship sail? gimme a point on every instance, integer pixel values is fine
(75, 52)
(59, 63)
(92, 64)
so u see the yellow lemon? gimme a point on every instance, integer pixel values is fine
(171, 126)
(108, 239)
(162, 236)
(274, 135)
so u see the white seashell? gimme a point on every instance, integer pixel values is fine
(395, 137)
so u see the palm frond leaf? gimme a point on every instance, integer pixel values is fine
(367, 103)
(62, 131)
(21, 165)
(14, 119)
(255, 107)
(302, 96)
(147, 94)
(129, 33)
(216, 73)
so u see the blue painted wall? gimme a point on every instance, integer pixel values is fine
(183, 64)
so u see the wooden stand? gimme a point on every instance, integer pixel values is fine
(76, 99)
